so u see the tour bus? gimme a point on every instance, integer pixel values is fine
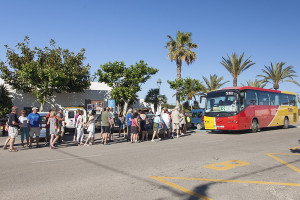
(241, 108)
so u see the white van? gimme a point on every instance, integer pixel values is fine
(70, 113)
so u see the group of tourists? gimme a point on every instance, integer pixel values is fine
(137, 122)
(31, 125)
(169, 123)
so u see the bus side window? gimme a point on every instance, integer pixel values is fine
(251, 98)
(274, 99)
(263, 98)
(292, 100)
(284, 100)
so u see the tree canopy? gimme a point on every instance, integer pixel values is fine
(277, 73)
(213, 83)
(5, 101)
(45, 71)
(188, 88)
(181, 50)
(235, 65)
(125, 81)
(256, 83)
(155, 98)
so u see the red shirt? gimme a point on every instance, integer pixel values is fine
(47, 117)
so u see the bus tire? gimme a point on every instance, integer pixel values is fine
(254, 126)
(285, 123)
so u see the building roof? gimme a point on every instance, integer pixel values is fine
(99, 86)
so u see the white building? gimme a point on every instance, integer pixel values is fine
(97, 94)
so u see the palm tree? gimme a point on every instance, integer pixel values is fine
(235, 65)
(154, 98)
(213, 83)
(191, 88)
(181, 50)
(277, 73)
(256, 83)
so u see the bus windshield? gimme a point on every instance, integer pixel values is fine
(221, 101)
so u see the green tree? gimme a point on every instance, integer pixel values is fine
(180, 50)
(125, 81)
(188, 88)
(43, 72)
(275, 74)
(5, 101)
(213, 83)
(154, 98)
(235, 65)
(256, 83)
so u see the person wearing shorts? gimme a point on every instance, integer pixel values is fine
(34, 125)
(157, 125)
(106, 124)
(14, 124)
(61, 118)
(135, 128)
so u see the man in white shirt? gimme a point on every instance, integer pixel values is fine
(166, 120)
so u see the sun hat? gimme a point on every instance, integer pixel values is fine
(34, 108)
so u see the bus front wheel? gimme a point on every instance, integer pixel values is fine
(286, 123)
(254, 126)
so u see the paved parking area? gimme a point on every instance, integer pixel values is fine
(201, 165)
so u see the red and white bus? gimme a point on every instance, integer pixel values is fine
(241, 108)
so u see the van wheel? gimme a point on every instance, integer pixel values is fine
(286, 123)
(199, 127)
(254, 126)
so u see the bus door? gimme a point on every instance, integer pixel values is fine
(251, 102)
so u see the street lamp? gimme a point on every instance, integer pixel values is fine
(158, 84)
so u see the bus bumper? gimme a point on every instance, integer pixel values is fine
(221, 123)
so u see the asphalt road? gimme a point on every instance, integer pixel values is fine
(200, 165)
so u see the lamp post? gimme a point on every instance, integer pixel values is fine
(158, 85)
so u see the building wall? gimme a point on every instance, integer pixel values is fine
(61, 100)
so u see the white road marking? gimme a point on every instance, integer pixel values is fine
(213, 141)
(62, 159)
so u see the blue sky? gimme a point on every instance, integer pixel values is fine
(130, 31)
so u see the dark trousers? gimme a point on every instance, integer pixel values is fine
(128, 132)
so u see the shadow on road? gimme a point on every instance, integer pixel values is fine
(125, 173)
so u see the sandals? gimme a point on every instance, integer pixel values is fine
(12, 150)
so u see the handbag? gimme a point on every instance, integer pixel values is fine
(6, 126)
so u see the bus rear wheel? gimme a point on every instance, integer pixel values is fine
(285, 123)
(254, 126)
